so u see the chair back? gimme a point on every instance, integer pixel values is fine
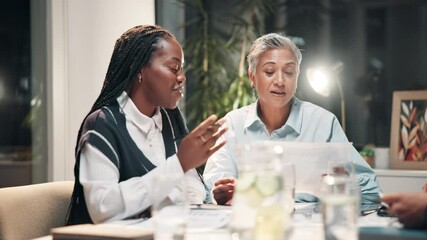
(30, 211)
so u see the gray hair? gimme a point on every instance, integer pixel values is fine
(268, 42)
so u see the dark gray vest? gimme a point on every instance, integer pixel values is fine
(106, 130)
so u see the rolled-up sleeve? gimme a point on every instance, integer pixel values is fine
(368, 182)
(366, 177)
(220, 165)
(108, 199)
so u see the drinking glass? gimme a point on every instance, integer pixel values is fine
(288, 169)
(339, 161)
(170, 212)
(258, 209)
(340, 197)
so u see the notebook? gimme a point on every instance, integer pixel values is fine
(101, 231)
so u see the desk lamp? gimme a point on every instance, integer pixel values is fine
(321, 77)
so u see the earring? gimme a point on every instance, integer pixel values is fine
(254, 95)
(139, 78)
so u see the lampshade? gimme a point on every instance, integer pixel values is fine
(321, 77)
(319, 80)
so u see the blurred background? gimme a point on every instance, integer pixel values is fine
(381, 45)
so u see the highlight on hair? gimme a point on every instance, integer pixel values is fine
(132, 52)
(268, 42)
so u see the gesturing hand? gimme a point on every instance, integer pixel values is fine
(201, 143)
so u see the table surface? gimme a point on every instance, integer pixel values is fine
(306, 224)
(209, 222)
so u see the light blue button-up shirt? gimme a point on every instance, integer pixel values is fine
(306, 123)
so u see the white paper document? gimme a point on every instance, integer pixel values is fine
(200, 219)
(206, 219)
(312, 161)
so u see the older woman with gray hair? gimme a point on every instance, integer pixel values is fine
(274, 66)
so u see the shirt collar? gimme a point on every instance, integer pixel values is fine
(294, 121)
(252, 116)
(140, 120)
(295, 117)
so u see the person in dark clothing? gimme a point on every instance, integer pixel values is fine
(135, 131)
(409, 207)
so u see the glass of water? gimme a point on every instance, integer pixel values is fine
(340, 197)
(288, 169)
(169, 212)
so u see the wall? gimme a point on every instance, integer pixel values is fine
(81, 35)
(401, 180)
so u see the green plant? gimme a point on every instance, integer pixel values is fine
(217, 42)
(368, 154)
(217, 70)
(367, 151)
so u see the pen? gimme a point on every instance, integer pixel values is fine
(383, 209)
(367, 212)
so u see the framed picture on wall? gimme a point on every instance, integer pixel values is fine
(408, 137)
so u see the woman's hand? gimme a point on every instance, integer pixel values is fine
(408, 207)
(201, 143)
(223, 191)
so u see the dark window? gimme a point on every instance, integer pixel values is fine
(15, 93)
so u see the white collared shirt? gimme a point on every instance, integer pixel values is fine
(108, 199)
(306, 123)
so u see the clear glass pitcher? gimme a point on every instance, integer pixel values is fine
(258, 211)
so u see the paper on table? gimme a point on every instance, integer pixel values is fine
(312, 160)
(101, 231)
(206, 219)
(201, 218)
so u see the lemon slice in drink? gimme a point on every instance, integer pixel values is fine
(245, 182)
(253, 198)
(267, 184)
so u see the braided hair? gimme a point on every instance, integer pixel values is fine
(132, 52)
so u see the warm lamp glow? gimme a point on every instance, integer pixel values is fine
(319, 80)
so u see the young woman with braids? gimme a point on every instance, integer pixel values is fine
(135, 131)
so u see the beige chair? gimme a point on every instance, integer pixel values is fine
(30, 211)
